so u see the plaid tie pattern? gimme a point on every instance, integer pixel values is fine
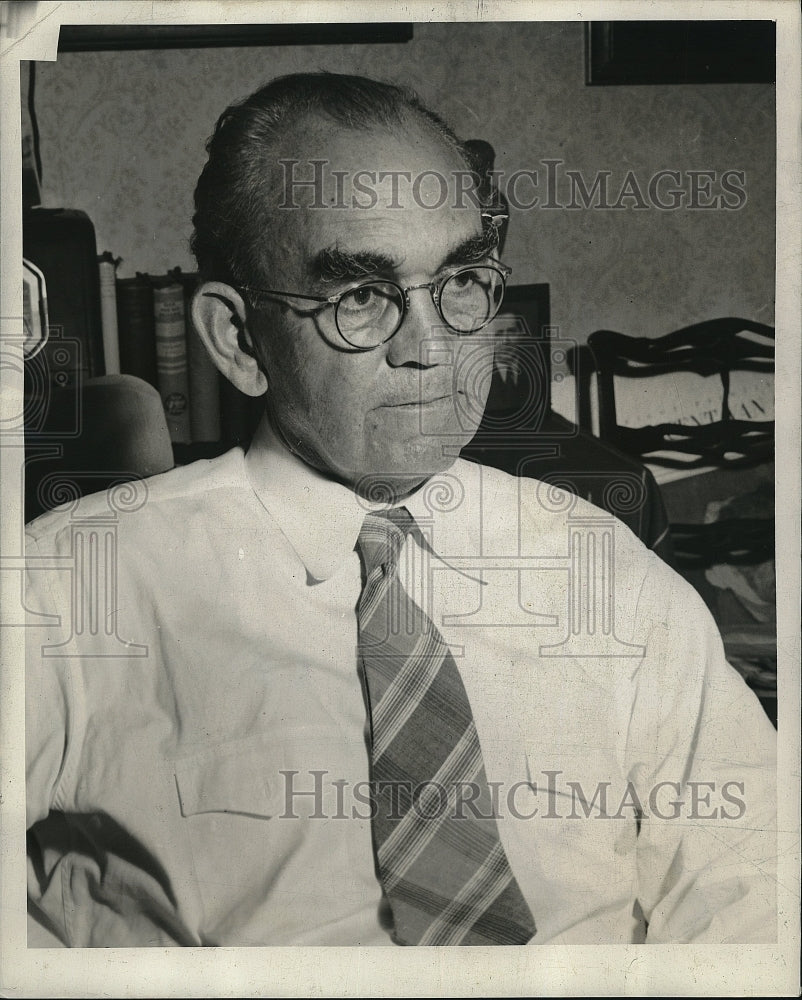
(441, 862)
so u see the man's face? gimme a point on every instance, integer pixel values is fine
(401, 411)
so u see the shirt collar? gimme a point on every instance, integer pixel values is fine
(319, 517)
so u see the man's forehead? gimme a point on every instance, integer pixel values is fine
(412, 139)
(386, 199)
(322, 163)
(383, 238)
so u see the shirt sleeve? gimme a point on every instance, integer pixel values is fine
(702, 758)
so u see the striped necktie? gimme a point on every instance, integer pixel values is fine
(442, 865)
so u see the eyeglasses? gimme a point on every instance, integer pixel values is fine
(368, 312)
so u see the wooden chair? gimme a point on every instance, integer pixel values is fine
(697, 405)
(715, 351)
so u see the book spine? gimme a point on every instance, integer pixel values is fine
(171, 359)
(107, 268)
(204, 385)
(135, 323)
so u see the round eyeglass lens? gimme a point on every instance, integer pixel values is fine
(370, 314)
(470, 298)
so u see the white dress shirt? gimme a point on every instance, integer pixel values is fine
(192, 671)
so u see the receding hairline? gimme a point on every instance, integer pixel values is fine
(291, 139)
(242, 178)
(283, 221)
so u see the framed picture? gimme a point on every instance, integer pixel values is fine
(520, 391)
(121, 37)
(669, 52)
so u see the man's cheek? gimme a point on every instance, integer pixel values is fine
(473, 375)
(473, 366)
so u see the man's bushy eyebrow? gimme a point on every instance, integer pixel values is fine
(336, 264)
(474, 249)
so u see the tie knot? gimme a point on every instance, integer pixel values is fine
(382, 537)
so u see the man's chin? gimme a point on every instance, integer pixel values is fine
(395, 475)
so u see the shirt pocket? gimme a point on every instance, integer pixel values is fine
(259, 818)
(230, 801)
(270, 776)
(242, 779)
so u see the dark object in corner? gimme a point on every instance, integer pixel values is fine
(115, 37)
(676, 52)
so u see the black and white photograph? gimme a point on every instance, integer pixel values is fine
(400, 539)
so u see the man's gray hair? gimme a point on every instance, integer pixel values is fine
(233, 194)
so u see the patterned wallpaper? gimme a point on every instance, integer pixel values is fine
(122, 137)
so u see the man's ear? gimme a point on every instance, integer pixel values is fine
(220, 317)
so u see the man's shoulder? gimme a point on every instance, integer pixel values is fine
(545, 502)
(540, 518)
(170, 496)
(555, 529)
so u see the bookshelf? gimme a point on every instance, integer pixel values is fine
(206, 415)
(99, 324)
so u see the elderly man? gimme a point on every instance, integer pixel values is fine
(369, 692)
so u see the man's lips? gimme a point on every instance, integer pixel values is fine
(417, 401)
(420, 402)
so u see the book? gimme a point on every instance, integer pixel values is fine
(204, 386)
(171, 358)
(136, 328)
(217, 415)
(107, 268)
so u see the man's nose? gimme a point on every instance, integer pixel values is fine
(421, 328)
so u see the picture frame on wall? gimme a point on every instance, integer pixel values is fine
(127, 37)
(677, 52)
(520, 391)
